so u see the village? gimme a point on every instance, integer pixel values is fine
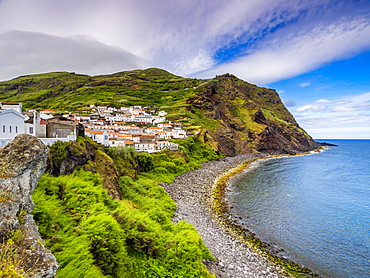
(142, 128)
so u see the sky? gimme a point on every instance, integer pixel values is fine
(316, 53)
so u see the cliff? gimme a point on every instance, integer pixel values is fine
(247, 118)
(22, 162)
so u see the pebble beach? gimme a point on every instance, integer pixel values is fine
(192, 193)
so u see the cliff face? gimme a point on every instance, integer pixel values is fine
(22, 162)
(248, 118)
(84, 154)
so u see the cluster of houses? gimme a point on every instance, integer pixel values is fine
(144, 129)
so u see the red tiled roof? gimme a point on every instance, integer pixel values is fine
(95, 132)
(10, 103)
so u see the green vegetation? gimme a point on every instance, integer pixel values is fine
(222, 110)
(10, 261)
(93, 235)
(101, 210)
(61, 91)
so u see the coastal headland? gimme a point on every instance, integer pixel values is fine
(198, 196)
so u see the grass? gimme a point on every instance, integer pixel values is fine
(93, 235)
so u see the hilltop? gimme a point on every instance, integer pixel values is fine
(228, 114)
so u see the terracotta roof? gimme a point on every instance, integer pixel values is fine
(95, 132)
(47, 110)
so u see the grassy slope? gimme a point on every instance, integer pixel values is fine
(67, 91)
(93, 235)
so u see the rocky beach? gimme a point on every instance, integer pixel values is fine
(192, 193)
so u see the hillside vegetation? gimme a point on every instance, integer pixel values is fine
(102, 211)
(230, 115)
(94, 234)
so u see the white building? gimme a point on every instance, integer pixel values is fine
(100, 137)
(11, 105)
(178, 133)
(145, 147)
(164, 144)
(34, 125)
(11, 123)
(117, 142)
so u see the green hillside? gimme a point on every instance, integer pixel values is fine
(68, 91)
(227, 113)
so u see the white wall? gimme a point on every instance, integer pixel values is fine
(11, 123)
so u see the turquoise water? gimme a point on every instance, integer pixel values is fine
(315, 207)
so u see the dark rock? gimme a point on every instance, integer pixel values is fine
(250, 119)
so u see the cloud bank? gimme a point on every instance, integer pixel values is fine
(27, 52)
(259, 41)
(347, 117)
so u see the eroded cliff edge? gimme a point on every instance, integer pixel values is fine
(245, 118)
(22, 162)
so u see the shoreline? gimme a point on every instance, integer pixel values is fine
(193, 193)
(237, 251)
(232, 223)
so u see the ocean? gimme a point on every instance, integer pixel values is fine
(315, 207)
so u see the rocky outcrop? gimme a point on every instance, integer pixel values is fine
(66, 157)
(22, 162)
(247, 119)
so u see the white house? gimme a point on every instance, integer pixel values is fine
(145, 147)
(11, 123)
(17, 106)
(164, 144)
(178, 133)
(154, 129)
(117, 142)
(165, 125)
(34, 125)
(100, 137)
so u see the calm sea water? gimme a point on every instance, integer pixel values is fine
(315, 207)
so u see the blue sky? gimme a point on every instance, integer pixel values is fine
(316, 53)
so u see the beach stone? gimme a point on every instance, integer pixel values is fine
(192, 193)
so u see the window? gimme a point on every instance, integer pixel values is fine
(30, 130)
(3, 128)
(16, 129)
(10, 129)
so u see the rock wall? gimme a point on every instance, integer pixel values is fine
(22, 162)
(248, 119)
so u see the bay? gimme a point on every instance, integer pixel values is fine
(315, 207)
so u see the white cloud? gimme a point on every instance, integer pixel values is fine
(313, 107)
(285, 54)
(322, 100)
(184, 36)
(273, 39)
(304, 85)
(43, 53)
(340, 132)
(340, 118)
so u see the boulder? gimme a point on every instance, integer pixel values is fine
(22, 162)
